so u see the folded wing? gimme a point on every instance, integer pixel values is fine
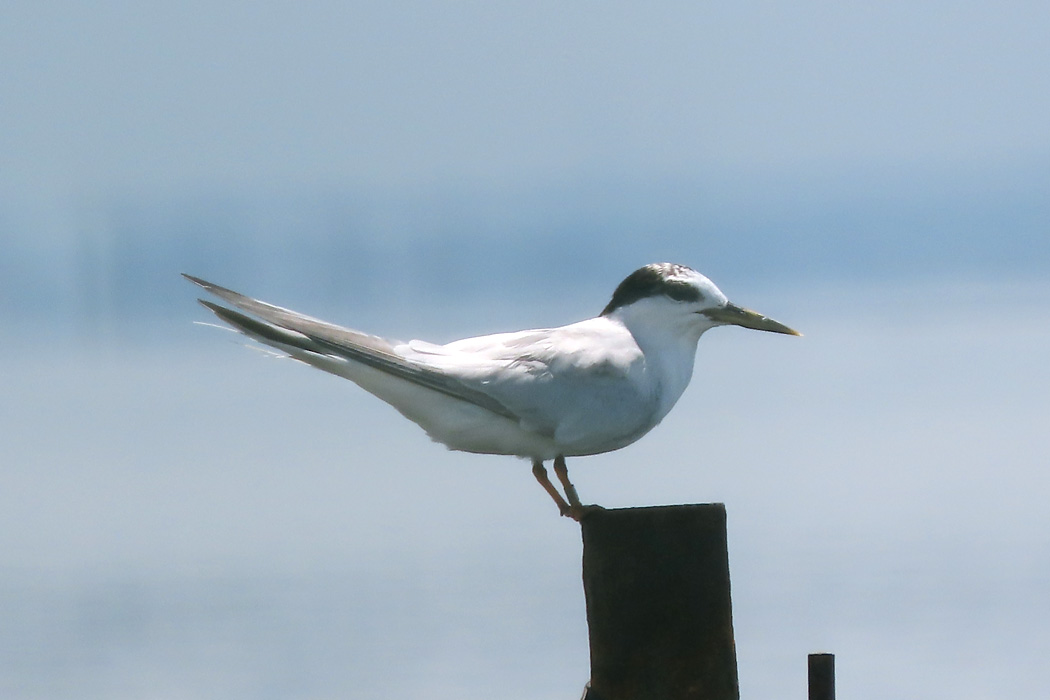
(574, 390)
(296, 334)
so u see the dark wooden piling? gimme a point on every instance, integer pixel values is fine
(658, 604)
(821, 677)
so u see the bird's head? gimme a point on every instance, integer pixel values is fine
(679, 298)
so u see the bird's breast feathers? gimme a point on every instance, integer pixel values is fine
(585, 387)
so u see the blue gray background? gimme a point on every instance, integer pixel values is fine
(183, 518)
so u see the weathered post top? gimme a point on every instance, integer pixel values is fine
(821, 676)
(658, 604)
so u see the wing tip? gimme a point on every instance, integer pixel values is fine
(218, 290)
(211, 306)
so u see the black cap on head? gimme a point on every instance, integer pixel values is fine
(667, 279)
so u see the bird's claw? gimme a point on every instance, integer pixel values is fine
(579, 511)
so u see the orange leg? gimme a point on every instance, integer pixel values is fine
(563, 476)
(541, 476)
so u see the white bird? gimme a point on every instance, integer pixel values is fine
(581, 389)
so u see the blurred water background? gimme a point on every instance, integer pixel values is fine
(183, 518)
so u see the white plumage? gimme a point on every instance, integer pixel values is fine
(581, 389)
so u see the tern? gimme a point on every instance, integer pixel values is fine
(583, 389)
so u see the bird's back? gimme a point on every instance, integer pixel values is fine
(584, 388)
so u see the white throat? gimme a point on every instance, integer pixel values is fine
(668, 341)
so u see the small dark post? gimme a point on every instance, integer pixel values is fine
(658, 604)
(821, 677)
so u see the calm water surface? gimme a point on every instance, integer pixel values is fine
(183, 518)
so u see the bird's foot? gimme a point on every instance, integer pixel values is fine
(578, 511)
(571, 508)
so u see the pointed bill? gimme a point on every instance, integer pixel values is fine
(731, 314)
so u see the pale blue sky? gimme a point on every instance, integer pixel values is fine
(304, 147)
(273, 142)
(112, 99)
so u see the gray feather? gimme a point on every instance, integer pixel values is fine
(324, 338)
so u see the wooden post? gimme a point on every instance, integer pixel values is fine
(658, 604)
(821, 677)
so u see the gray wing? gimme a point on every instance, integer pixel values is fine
(274, 325)
(581, 384)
